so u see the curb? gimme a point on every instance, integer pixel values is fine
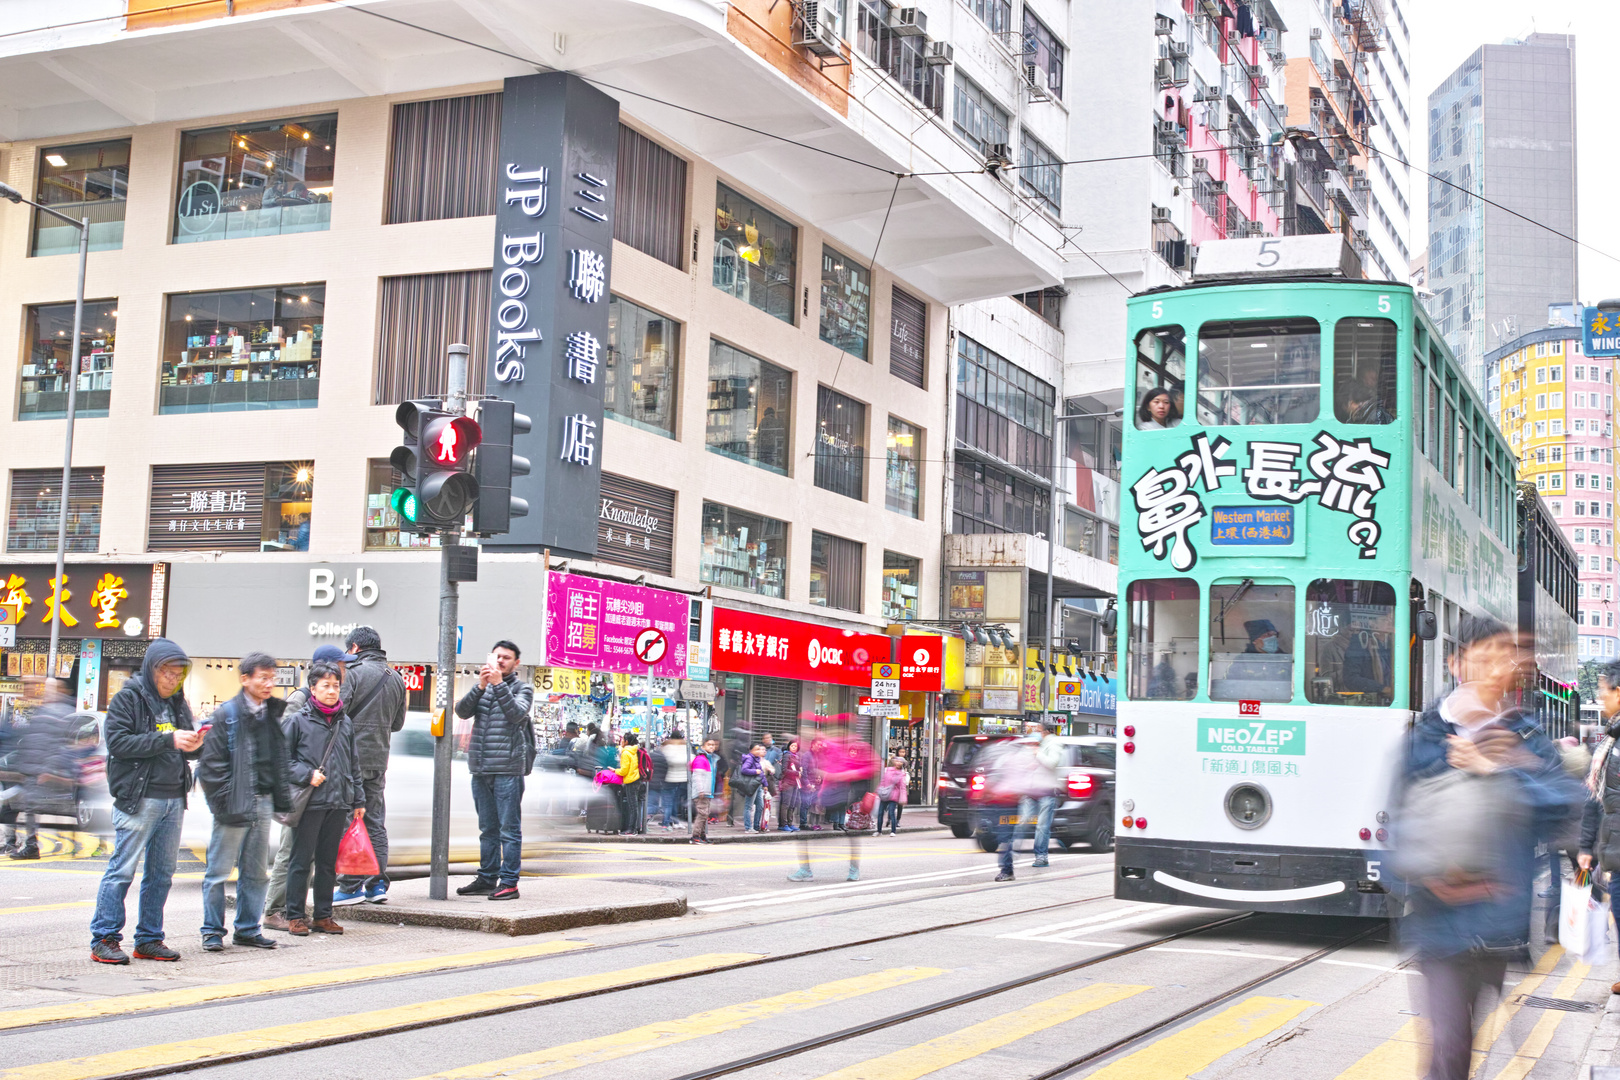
(520, 925)
(1598, 1062)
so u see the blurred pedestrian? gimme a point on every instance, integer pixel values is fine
(1040, 807)
(787, 811)
(321, 756)
(374, 698)
(43, 777)
(749, 782)
(243, 774)
(892, 794)
(812, 771)
(633, 764)
(500, 754)
(848, 773)
(676, 759)
(1481, 786)
(275, 900)
(704, 771)
(1014, 782)
(1598, 844)
(150, 736)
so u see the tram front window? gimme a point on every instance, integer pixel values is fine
(1364, 371)
(1259, 371)
(1163, 626)
(1161, 372)
(1251, 647)
(1349, 642)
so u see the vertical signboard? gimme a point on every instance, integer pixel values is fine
(553, 252)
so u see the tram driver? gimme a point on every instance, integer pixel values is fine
(1265, 660)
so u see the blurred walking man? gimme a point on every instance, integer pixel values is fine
(374, 698)
(1599, 844)
(149, 738)
(499, 755)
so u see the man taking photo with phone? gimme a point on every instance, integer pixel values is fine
(499, 755)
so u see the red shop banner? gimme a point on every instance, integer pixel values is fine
(922, 662)
(750, 644)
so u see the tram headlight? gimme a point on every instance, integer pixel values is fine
(1248, 806)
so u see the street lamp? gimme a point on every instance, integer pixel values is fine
(1051, 542)
(58, 585)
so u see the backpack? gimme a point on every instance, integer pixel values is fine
(644, 764)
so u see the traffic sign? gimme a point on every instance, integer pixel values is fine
(886, 682)
(885, 671)
(10, 614)
(8, 636)
(871, 706)
(651, 645)
(1068, 697)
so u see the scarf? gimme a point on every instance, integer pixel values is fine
(1597, 781)
(329, 714)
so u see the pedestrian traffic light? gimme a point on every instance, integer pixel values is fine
(436, 464)
(495, 464)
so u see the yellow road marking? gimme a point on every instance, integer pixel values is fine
(337, 1028)
(1507, 1008)
(664, 1033)
(1206, 1042)
(970, 1042)
(1525, 1058)
(46, 907)
(200, 995)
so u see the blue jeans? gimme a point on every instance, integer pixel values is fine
(245, 849)
(668, 801)
(1040, 809)
(754, 809)
(152, 831)
(888, 815)
(499, 802)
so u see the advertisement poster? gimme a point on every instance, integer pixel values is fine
(612, 626)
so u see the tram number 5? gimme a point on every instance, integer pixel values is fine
(1158, 309)
(1383, 304)
(1373, 873)
(1269, 255)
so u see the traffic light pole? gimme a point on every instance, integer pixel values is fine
(455, 401)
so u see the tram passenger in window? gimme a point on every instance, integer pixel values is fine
(1361, 401)
(1264, 641)
(1158, 410)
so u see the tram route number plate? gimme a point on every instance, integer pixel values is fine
(1265, 737)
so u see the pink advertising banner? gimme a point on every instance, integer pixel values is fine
(613, 626)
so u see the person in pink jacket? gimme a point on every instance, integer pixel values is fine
(892, 795)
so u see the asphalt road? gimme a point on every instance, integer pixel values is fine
(924, 967)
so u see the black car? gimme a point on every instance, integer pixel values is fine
(1085, 809)
(955, 774)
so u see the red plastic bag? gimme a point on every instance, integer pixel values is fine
(355, 854)
(868, 803)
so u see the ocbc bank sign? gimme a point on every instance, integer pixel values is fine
(325, 587)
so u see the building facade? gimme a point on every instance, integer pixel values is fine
(1502, 125)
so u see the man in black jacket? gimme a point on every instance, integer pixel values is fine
(374, 697)
(499, 755)
(149, 737)
(243, 774)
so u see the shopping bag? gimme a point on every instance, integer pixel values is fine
(608, 776)
(1574, 923)
(1598, 942)
(355, 855)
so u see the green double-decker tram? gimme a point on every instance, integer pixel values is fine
(1318, 495)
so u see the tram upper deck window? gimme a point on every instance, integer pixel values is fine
(1163, 626)
(1349, 642)
(1251, 648)
(1161, 377)
(1364, 371)
(1262, 371)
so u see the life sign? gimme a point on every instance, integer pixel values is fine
(1268, 737)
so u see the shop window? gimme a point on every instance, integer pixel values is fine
(420, 316)
(743, 551)
(1161, 377)
(979, 121)
(263, 179)
(902, 478)
(1349, 643)
(243, 349)
(902, 577)
(246, 506)
(755, 254)
(382, 523)
(444, 158)
(36, 509)
(1251, 641)
(840, 444)
(1042, 173)
(1162, 628)
(1263, 371)
(846, 303)
(50, 353)
(908, 337)
(86, 180)
(835, 571)
(1364, 371)
(643, 351)
(750, 402)
(649, 202)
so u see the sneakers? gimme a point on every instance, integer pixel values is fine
(155, 950)
(326, 926)
(29, 850)
(259, 942)
(345, 898)
(106, 951)
(276, 921)
(790, 828)
(377, 892)
(1005, 875)
(801, 874)
(1040, 862)
(505, 892)
(476, 887)
(298, 927)
(854, 873)
(213, 944)
(7, 847)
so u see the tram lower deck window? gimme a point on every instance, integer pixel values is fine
(1349, 643)
(1162, 621)
(1251, 641)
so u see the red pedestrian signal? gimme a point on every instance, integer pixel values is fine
(435, 463)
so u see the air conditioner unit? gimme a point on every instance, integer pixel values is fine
(1218, 186)
(1175, 253)
(815, 33)
(1161, 213)
(908, 22)
(1233, 37)
(1165, 72)
(1316, 33)
(1163, 25)
(1332, 85)
(1177, 48)
(999, 158)
(1200, 165)
(939, 54)
(1263, 81)
(1035, 83)
(1169, 128)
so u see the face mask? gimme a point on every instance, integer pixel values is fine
(1271, 644)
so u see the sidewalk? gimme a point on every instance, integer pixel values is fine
(546, 905)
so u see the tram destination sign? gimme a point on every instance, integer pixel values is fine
(1267, 737)
(1267, 526)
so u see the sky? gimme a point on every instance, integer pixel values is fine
(1446, 32)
